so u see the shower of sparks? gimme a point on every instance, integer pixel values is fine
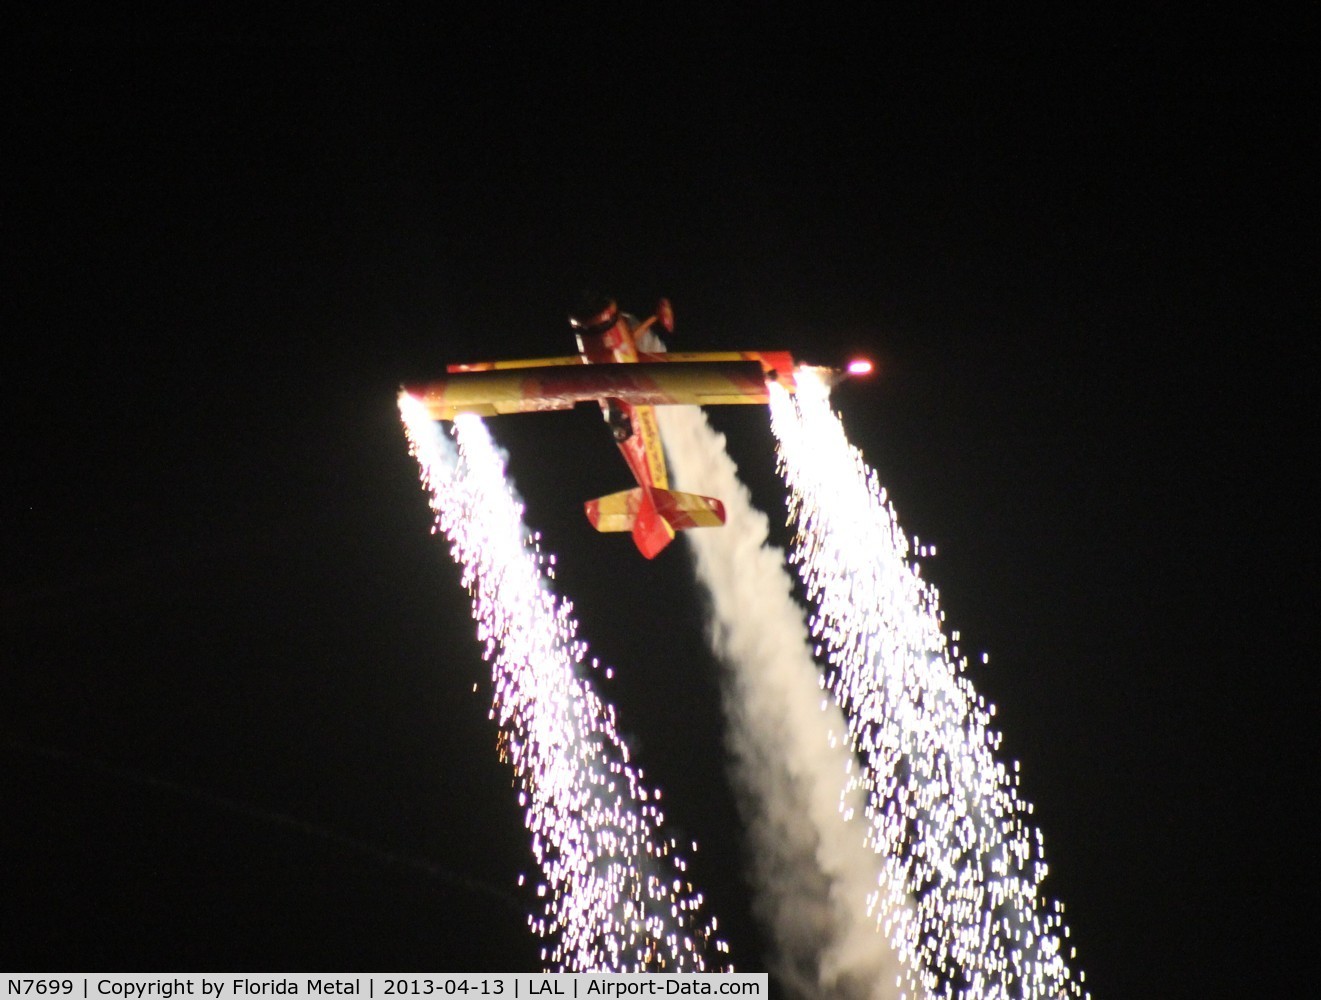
(614, 889)
(960, 897)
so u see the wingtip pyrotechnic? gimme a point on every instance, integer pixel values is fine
(613, 891)
(962, 897)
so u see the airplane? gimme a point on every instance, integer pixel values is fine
(623, 365)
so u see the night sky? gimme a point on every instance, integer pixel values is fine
(237, 721)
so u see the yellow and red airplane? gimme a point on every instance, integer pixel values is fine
(622, 364)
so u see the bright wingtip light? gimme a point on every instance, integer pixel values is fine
(860, 366)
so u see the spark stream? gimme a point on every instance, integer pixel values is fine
(616, 896)
(960, 891)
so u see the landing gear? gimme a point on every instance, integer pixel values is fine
(621, 425)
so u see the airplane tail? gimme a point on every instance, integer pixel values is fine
(654, 515)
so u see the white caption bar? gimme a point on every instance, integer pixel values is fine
(468, 986)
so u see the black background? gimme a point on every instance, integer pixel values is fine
(237, 707)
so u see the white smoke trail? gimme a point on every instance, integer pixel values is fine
(615, 894)
(962, 896)
(812, 867)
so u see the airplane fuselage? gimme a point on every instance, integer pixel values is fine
(633, 427)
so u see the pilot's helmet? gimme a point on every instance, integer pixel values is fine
(594, 314)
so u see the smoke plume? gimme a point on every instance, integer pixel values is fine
(812, 868)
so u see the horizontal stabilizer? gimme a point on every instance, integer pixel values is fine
(615, 512)
(689, 510)
(654, 515)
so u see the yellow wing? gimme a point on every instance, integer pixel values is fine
(492, 391)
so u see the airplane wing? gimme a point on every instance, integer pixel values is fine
(701, 379)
